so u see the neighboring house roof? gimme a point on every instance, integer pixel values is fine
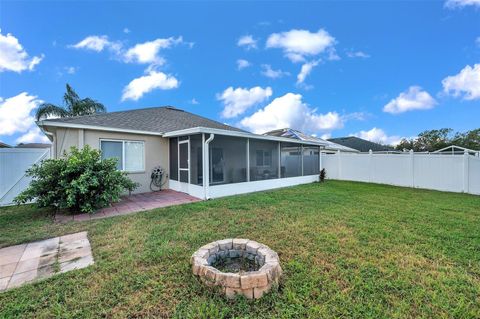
(156, 119)
(3, 145)
(33, 145)
(291, 133)
(361, 144)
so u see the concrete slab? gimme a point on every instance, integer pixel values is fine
(22, 264)
(7, 270)
(4, 283)
(19, 279)
(27, 265)
(76, 263)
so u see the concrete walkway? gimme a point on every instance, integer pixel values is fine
(42, 259)
(133, 204)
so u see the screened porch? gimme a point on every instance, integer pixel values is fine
(206, 165)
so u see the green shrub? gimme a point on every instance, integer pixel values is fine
(81, 181)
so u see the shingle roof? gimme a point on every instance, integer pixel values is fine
(156, 119)
(360, 144)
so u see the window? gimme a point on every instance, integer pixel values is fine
(263, 160)
(130, 155)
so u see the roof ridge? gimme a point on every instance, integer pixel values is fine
(121, 111)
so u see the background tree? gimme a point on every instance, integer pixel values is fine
(432, 140)
(73, 106)
(469, 139)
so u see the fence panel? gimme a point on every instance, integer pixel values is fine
(13, 164)
(393, 170)
(453, 173)
(474, 175)
(440, 172)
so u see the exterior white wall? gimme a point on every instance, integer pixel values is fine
(453, 173)
(256, 186)
(216, 191)
(193, 190)
(13, 164)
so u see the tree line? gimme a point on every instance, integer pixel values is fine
(432, 140)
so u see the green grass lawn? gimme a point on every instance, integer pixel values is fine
(347, 250)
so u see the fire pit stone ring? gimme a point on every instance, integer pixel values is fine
(246, 267)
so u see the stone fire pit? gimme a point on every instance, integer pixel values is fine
(237, 266)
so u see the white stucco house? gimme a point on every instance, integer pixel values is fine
(201, 157)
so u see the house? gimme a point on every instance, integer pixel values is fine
(189, 148)
(361, 144)
(329, 146)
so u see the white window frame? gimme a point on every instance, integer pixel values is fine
(263, 158)
(123, 152)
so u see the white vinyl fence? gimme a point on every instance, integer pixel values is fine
(13, 164)
(452, 173)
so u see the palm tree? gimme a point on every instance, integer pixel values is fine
(73, 106)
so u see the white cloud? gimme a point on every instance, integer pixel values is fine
(71, 69)
(34, 135)
(147, 52)
(13, 56)
(451, 4)
(378, 135)
(290, 111)
(357, 54)
(143, 53)
(305, 71)
(325, 136)
(298, 44)
(413, 99)
(248, 42)
(477, 41)
(16, 116)
(271, 73)
(242, 64)
(95, 43)
(126, 30)
(144, 84)
(237, 101)
(194, 101)
(466, 83)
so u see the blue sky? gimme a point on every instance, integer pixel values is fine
(378, 70)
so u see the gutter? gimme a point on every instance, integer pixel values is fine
(96, 128)
(206, 167)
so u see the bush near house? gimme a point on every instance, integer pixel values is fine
(81, 181)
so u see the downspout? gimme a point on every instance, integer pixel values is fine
(206, 167)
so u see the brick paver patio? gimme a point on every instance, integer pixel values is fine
(134, 203)
(25, 263)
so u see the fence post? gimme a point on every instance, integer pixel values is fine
(465, 172)
(412, 168)
(320, 158)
